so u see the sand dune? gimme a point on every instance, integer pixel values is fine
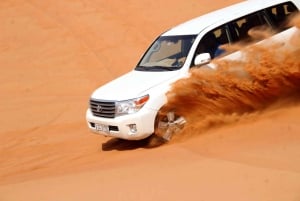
(53, 54)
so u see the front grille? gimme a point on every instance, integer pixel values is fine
(104, 109)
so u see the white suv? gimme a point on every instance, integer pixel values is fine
(128, 107)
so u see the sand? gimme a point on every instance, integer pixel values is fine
(53, 54)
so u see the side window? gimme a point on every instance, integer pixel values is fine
(280, 13)
(211, 42)
(241, 27)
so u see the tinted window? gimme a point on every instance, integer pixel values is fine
(212, 42)
(234, 31)
(242, 26)
(280, 13)
(239, 30)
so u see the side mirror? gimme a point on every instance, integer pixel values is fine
(202, 58)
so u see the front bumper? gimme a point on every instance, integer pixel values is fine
(121, 127)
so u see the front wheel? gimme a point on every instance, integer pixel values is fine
(168, 124)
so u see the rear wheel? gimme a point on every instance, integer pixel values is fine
(168, 124)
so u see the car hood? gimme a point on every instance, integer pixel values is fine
(132, 85)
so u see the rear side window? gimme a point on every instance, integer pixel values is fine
(241, 27)
(280, 13)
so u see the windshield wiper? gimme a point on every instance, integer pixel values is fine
(156, 68)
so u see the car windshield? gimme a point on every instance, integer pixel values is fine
(166, 53)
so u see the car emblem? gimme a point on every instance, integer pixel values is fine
(99, 108)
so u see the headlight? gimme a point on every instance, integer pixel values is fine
(130, 106)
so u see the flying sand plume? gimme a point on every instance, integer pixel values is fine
(269, 72)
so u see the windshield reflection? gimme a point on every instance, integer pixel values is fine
(166, 53)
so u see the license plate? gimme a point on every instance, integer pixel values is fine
(102, 128)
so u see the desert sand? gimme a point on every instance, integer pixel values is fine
(53, 54)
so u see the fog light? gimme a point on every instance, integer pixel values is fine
(132, 128)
